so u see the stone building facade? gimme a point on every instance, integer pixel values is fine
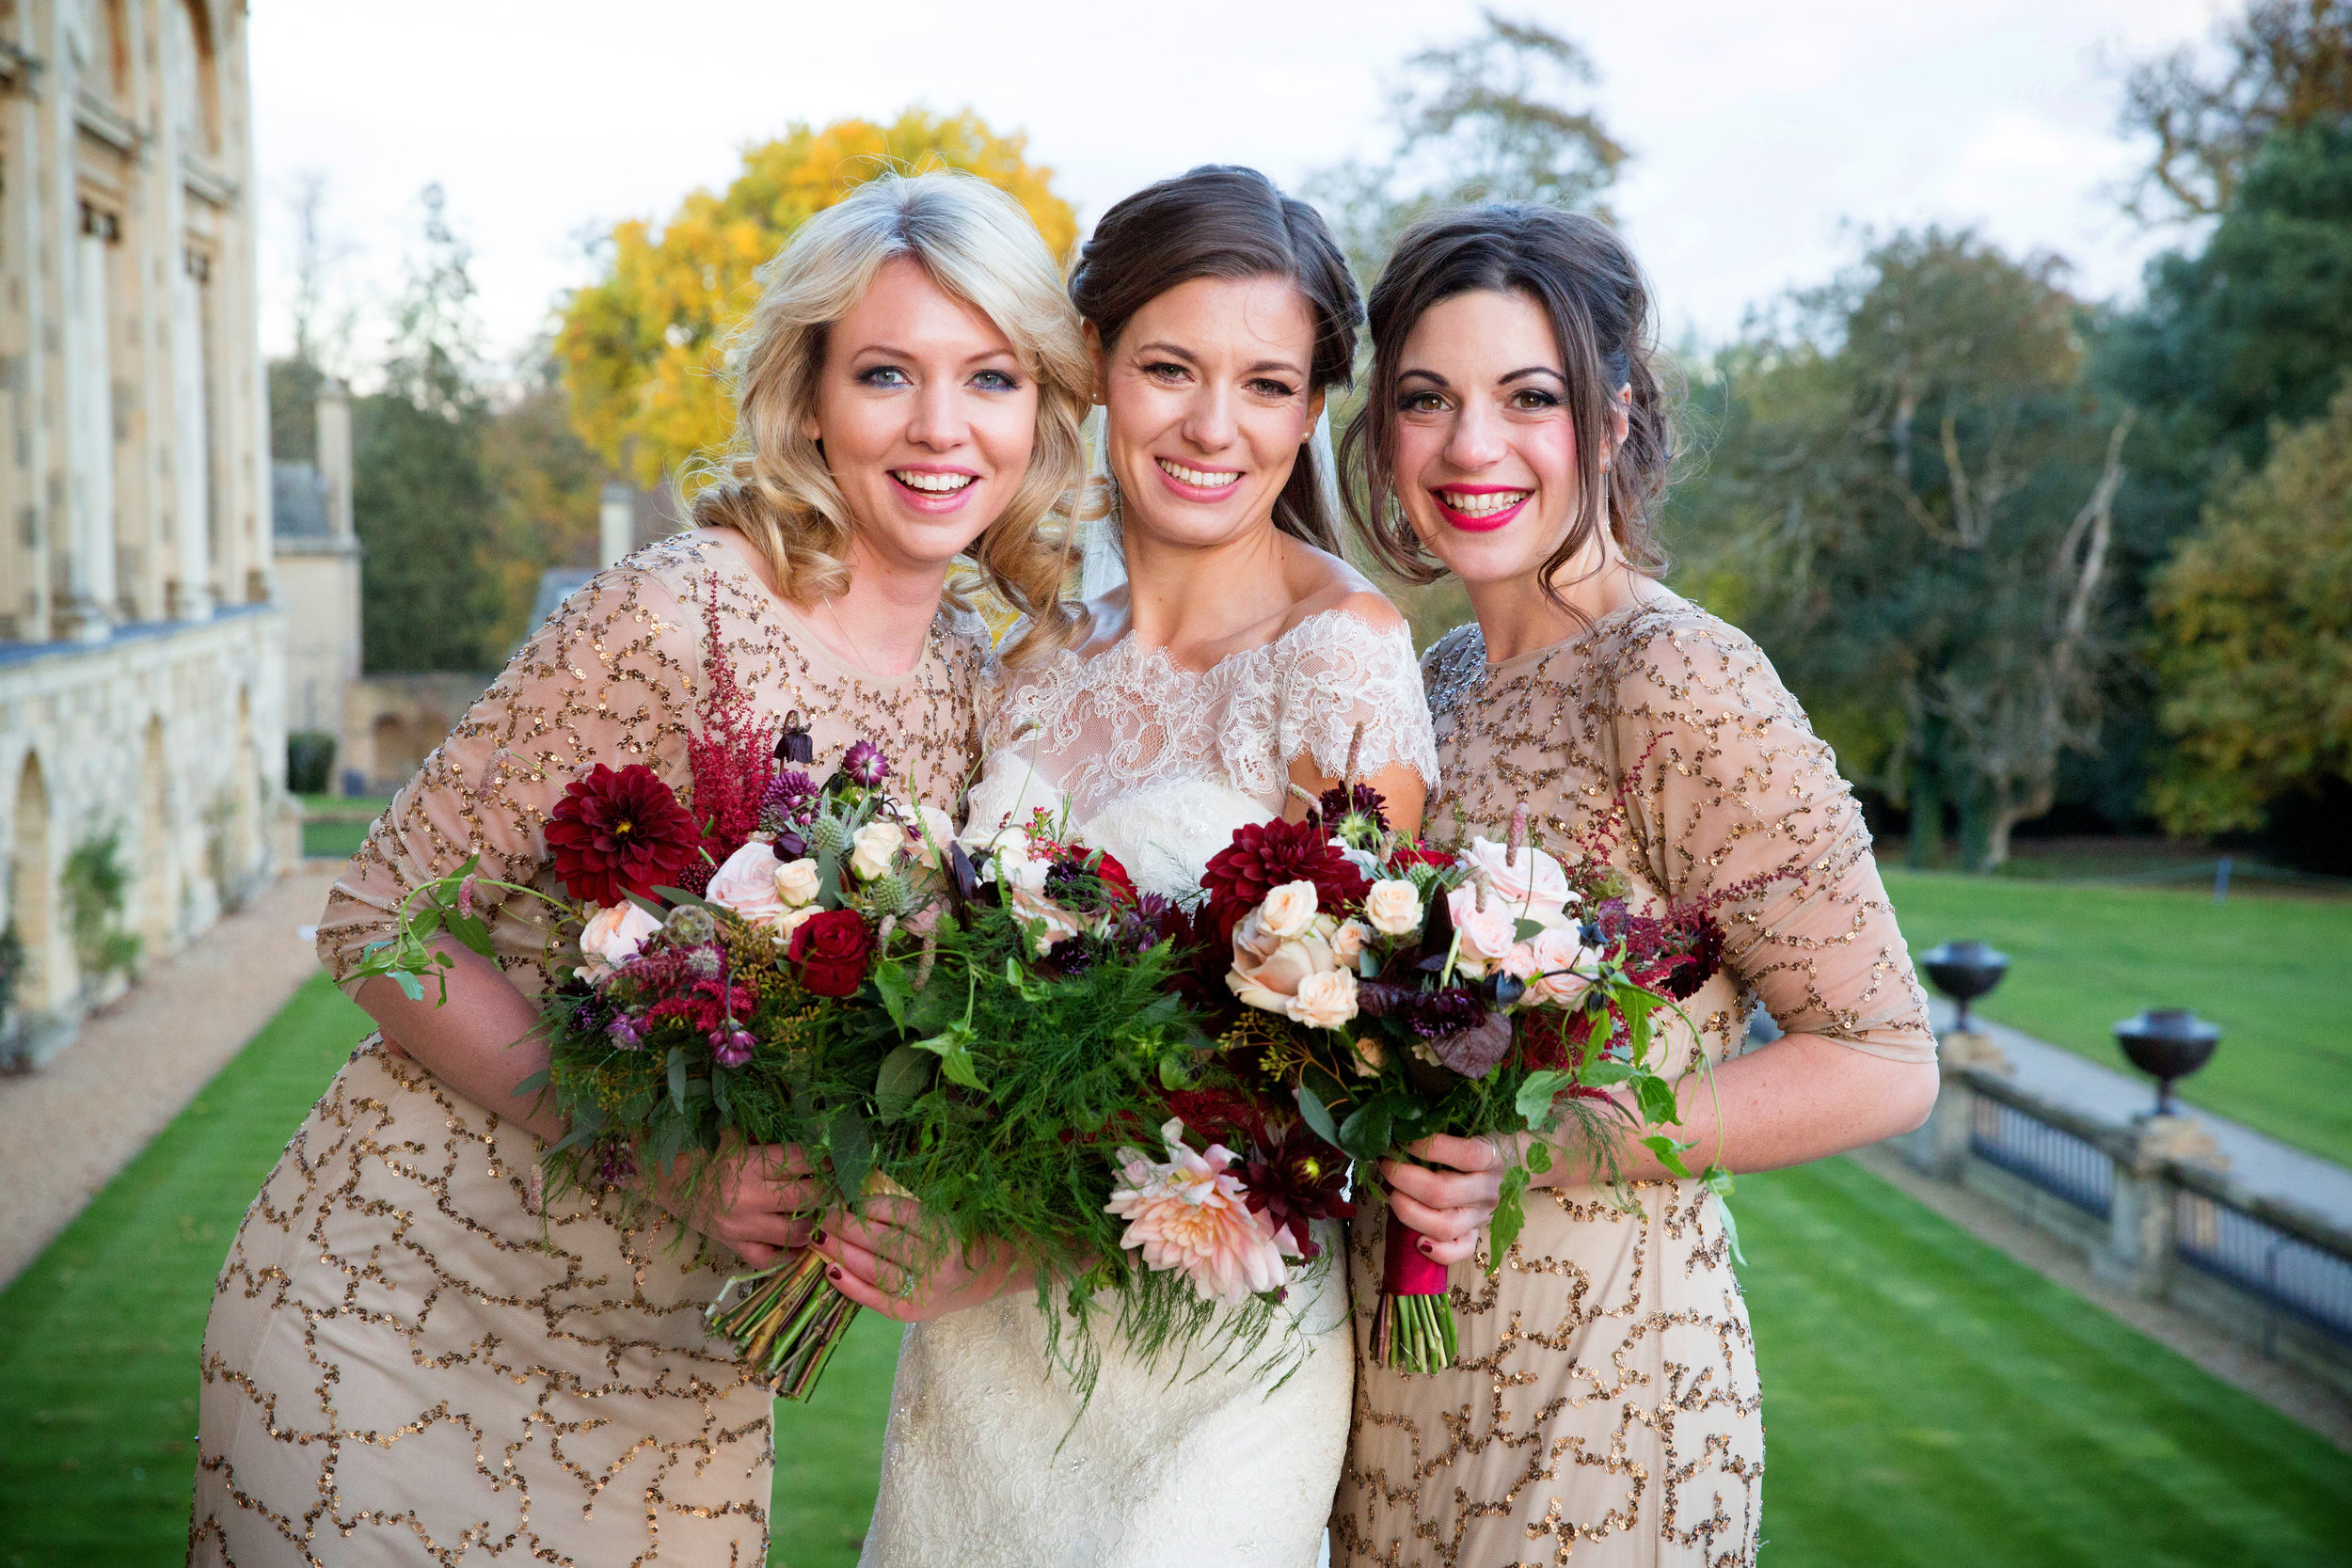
(142, 651)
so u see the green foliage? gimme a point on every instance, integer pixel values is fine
(1911, 484)
(95, 886)
(11, 967)
(2254, 621)
(421, 498)
(547, 488)
(1490, 117)
(309, 761)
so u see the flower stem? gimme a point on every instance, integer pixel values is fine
(787, 1325)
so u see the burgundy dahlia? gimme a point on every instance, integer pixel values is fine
(1358, 807)
(615, 833)
(1301, 1181)
(865, 763)
(1264, 856)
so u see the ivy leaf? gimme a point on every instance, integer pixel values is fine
(953, 1046)
(1718, 1181)
(1601, 1073)
(1510, 1219)
(1655, 1097)
(1319, 1118)
(1538, 1156)
(1526, 930)
(1537, 1093)
(1669, 1153)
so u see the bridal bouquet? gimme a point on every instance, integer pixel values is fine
(1399, 991)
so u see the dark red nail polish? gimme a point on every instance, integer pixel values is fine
(818, 1238)
(1424, 1244)
(832, 1274)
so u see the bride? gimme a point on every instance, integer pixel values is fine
(1240, 658)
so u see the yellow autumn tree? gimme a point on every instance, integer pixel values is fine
(642, 348)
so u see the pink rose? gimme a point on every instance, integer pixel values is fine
(614, 935)
(746, 885)
(1267, 969)
(1325, 1001)
(1543, 963)
(1486, 935)
(1531, 882)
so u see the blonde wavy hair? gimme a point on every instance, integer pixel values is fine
(773, 484)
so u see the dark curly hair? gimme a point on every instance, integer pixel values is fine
(1588, 285)
(1223, 221)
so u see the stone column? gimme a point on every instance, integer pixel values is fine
(2136, 1256)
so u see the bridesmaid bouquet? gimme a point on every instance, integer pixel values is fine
(992, 1028)
(1399, 991)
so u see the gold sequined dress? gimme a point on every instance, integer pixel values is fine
(414, 1359)
(1605, 1409)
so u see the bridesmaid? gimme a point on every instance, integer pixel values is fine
(414, 1353)
(1606, 1402)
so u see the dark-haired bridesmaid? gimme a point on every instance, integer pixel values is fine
(1606, 1401)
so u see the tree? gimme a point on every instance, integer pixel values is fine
(2254, 638)
(547, 488)
(1916, 492)
(2284, 64)
(419, 499)
(321, 333)
(1490, 117)
(642, 348)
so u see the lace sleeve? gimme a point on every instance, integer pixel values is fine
(1337, 672)
(609, 679)
(1736, 801)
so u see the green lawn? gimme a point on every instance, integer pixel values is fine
(2274, 972)
(335, 826)
(1929, 1401)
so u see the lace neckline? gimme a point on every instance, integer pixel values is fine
(1159, 665)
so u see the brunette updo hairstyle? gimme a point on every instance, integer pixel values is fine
(1589, 287)
(1223, 221)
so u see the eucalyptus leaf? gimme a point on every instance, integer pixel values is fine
(1318, 1116)
(532, 1085)
(906, 1072)
(1365, 1132)
(851, 1150)
(678, 1076)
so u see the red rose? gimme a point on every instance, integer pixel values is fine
(619, 832)
(831, 951)
(1115, 879)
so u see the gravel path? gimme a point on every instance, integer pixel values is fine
(68, 1127)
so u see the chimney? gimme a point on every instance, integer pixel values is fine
(334, 415)
(617, 525)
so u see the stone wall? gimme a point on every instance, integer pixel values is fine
(174, 735)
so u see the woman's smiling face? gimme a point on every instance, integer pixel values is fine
(1207, 402)
(1485, 441)
(928, 418)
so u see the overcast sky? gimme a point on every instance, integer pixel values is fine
(1761, 136)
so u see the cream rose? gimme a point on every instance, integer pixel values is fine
(1267, 969)
(1325, 1001)
(746, 884)
(1347, 942)
(1370, 1056)
(614, 935)
(1394, 907)
(1486, 935)
(873, 847)
(1534, 884)
(796, 882)
(1288, 909)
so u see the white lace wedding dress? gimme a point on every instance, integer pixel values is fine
(983, 1464)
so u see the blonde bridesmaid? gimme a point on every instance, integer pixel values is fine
(417, 1355)
(1606, 1408)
